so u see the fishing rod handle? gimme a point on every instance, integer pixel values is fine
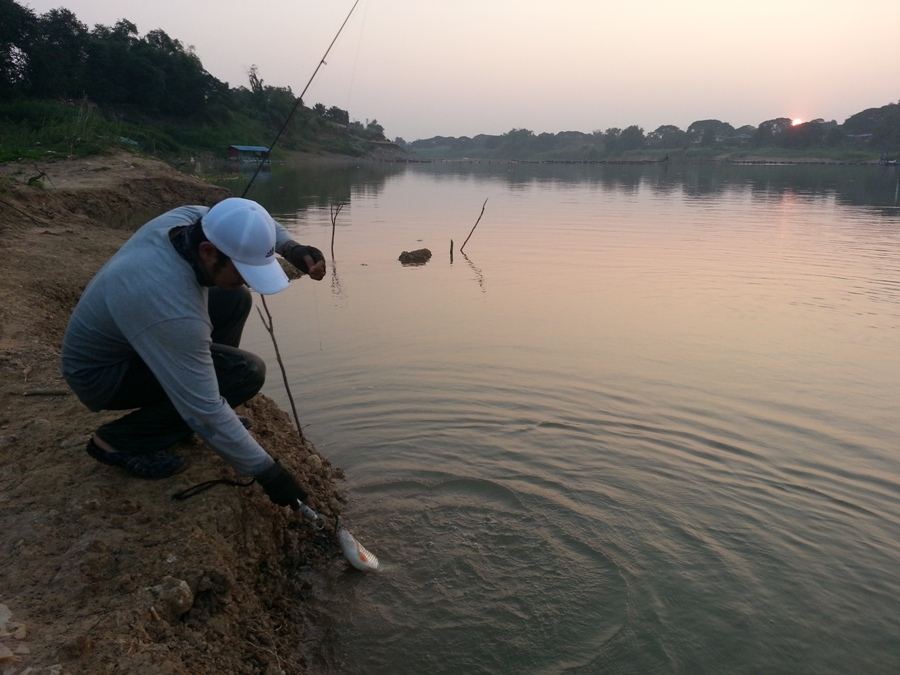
(317, 520)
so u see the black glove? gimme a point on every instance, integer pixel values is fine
(280, 486)
(294, 253)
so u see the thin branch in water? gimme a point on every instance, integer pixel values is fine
(270, 329)
(335, 212)
(473, 227)
(451, 251)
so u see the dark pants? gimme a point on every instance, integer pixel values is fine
(156, 424)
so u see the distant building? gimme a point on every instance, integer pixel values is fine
(248, 153)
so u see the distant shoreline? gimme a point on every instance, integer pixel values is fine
(755, 161)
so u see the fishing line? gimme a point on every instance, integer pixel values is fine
(297, 103)
(299, 100)
(318, 324)
(362, 32)
(355, 553)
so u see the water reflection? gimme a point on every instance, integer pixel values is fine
(679, 394)
(479, 275)
(336, 289)
(321, 184)
(852, 185)
(294, 188)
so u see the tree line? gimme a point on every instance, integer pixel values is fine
(55, 57)
(874, 130)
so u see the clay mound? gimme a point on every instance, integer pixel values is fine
(100, 572)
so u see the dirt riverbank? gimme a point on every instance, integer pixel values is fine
(99, 572)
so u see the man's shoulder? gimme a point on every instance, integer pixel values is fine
(183, 215)
(148, 281)
(162, 294)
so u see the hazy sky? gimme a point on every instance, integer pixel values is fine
(463, 67)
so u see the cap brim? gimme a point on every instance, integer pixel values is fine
(266, 279)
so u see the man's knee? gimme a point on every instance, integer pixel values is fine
(243, 303)
(228, 312)
(255, 372)
(241, 374)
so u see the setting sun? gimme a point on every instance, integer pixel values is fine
(796, 121)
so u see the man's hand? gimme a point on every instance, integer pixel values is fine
(316, 268)
(280, 486)
(307, 259)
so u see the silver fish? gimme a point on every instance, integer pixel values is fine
(355, 553)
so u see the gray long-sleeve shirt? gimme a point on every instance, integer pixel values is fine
(146, 300)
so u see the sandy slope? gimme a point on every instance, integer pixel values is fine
(100, 572)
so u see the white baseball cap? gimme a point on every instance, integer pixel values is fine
(245, 232)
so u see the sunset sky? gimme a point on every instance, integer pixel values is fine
(464, 67)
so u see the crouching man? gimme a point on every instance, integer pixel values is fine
(158, 329)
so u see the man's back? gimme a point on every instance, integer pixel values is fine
(145, 283)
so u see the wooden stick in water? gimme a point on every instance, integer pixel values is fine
(271, 330)
(474, 226)
(334, 215)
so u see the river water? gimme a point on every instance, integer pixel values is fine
(649, 423)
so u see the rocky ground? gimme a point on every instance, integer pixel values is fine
(100, 572)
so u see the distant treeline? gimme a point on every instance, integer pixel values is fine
(131, 79)
(873, 131)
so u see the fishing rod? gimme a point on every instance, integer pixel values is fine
(269, 324)
(355, 553)
(299, 101)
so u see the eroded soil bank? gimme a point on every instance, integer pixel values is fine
(100, 572)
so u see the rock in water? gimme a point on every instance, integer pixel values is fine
(417, 257)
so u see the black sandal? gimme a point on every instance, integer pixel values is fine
(152, 465)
